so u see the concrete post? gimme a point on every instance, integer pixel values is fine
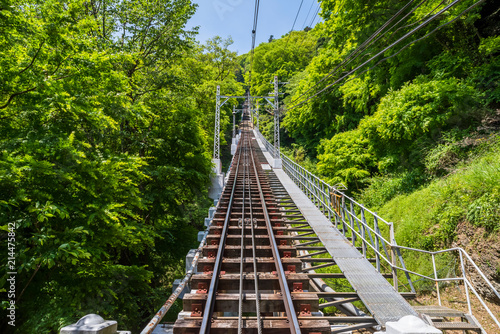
(92, 324)
(409, 324)
(189, 259)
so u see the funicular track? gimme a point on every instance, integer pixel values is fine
(249, 278)
(268, 263)
(262, 267)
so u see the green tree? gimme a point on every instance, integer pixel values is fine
(103, 161)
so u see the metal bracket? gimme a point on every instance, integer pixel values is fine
(196, 310)
(305, 310)
(203, 287)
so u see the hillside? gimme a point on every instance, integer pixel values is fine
(106, 137)
(406, 116)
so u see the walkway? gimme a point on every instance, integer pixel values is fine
(384, 303)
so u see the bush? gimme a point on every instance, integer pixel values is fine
(422, 108)
(383, 188)
(345, 158)
(485, 211)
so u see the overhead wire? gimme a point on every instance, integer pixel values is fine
(387, 48)
(314, 17)
(254, 35)
(293, 26)
(307, 16)
(359, 49)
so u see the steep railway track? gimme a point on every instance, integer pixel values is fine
(249, 277)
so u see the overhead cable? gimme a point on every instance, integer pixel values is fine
(354, 54)
(293, 26)
(389, 47)
(254, 35)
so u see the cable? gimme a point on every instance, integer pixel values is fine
(403, 48)
(360, 48)
(315, 16)
(307, 16)
(254, 35)
(293, 26)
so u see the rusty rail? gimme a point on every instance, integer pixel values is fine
(173, 297)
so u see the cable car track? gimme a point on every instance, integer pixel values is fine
(249, 280)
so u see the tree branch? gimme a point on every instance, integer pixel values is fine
(22, 292)
(33, 60)
(14, 95)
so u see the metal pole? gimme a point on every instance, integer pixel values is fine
(276, 119)
(436, 277)
(217, 126)
(394, 258)
(377, 244)
(466, 287)
(234, 123)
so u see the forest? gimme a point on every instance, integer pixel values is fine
(106, 136)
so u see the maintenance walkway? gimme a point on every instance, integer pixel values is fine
(384, 303)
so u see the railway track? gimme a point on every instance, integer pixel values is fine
(249, 277)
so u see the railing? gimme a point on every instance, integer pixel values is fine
(375, 235)
(173, 297)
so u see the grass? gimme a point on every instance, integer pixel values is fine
(427, 217)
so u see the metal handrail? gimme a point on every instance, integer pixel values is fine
(321, 193)
(173, 297)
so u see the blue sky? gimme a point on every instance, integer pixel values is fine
(235, 18)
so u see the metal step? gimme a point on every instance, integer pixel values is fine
(456, 326)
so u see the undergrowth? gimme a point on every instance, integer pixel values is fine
(427, 217)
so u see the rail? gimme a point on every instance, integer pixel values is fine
(173, 297)
(375, 235)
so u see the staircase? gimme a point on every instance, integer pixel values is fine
(447, 319)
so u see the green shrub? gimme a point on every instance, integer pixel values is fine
(398, 135)
(485, 211)
(345, 158)
(427, 218)
(421, 108)
(383, 188)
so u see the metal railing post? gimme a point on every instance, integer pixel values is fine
(363, 230)
(377, 242)
(343, 212)
(436, 278)
(465, 281)
(394, 259)
(351, 220)
(329, 201)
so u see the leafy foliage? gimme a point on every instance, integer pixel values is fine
(104, 153)
(406, 121)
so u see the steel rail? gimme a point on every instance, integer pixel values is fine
(255, 271)
(287, 297)
(173, 297)
(242, 250)
(209, 306)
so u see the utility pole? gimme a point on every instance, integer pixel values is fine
(234, 122)
(217, 127)
(277, 157)
(217, 179)
(257, 112)
(234, 140)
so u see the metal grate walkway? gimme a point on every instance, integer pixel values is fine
(384, 303)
